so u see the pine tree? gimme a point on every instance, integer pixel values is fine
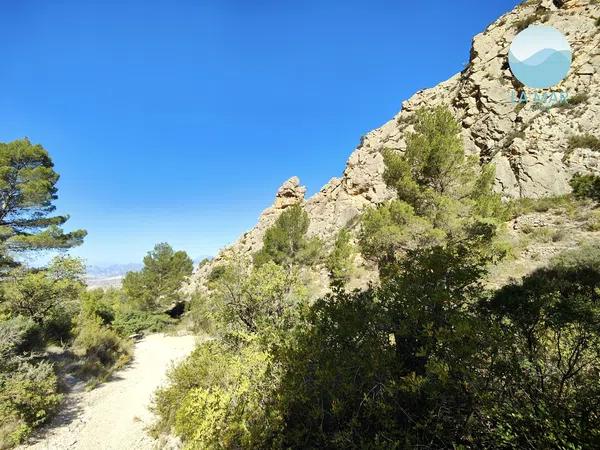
(27, 194)
(157, 285)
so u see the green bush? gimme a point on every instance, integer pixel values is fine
(584, 141)
(102, 348)
(286, 242)
(521, 206)
(340, 262)
(98, 302)
(544, 389)
(28, 397)
(577, 99)
(221, 397)
(134, 321)
(586, 186)
(203, 313)
(17, 335)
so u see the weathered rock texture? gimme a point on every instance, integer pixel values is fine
(528, 144)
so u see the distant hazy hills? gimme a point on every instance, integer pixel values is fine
(111, 275)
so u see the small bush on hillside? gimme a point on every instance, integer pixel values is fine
(220, 398)
(584, 141)
(103, 349)
(577, 99)
(286, 242)
(17, 335)
(203, 313)
(521, 206)
(594, 221)
(586, 186)
(339, 263)
(28, 392)
(28, 397)
(133, 321)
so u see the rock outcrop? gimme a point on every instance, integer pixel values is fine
(529, 144)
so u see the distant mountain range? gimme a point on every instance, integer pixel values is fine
(111, 270)
(111, 275)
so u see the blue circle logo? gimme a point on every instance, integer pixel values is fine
(540, 56)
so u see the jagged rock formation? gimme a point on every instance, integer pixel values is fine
(528, 144)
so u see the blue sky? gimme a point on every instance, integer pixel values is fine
(177, 120)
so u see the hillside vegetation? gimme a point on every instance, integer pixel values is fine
(51, 327)
(431, 356)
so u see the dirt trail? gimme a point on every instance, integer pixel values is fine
(114, 415)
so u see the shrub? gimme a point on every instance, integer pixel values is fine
(286, 242)
(28, 397)
(339, 262)
(594, 222)
(545, 386)
(521, 206)
(577, 99)
(103, 349)
(17, 335)
(98, 302)
(586, 186)
(220, 397)
(155, 288)
(584, 141)
(203, 312)
(134, 321)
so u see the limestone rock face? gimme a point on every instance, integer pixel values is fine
(528, 144)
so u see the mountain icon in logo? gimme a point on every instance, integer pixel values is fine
(540, 56)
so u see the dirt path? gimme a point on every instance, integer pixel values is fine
(114, 415)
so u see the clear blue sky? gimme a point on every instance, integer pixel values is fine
(177, 120)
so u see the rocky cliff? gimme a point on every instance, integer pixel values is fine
(528, 143)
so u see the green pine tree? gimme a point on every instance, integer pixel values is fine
(157, 285)
(27, 194)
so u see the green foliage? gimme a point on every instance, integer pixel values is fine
(156, 286)
(28, 397)
(49, 296)
(18, 335)
(386, 368)
(340, 262)
(203, 313)
(586, 186)
(584, 141)
(132, 321)
(429, 360)
(286, 244)
(98, 303)
(441, 193)
(525, 205)
(28, 390)
(575, 100)
(545, 387)
(103, 349)
(251, 299)
(28, 190)
(220, 398)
